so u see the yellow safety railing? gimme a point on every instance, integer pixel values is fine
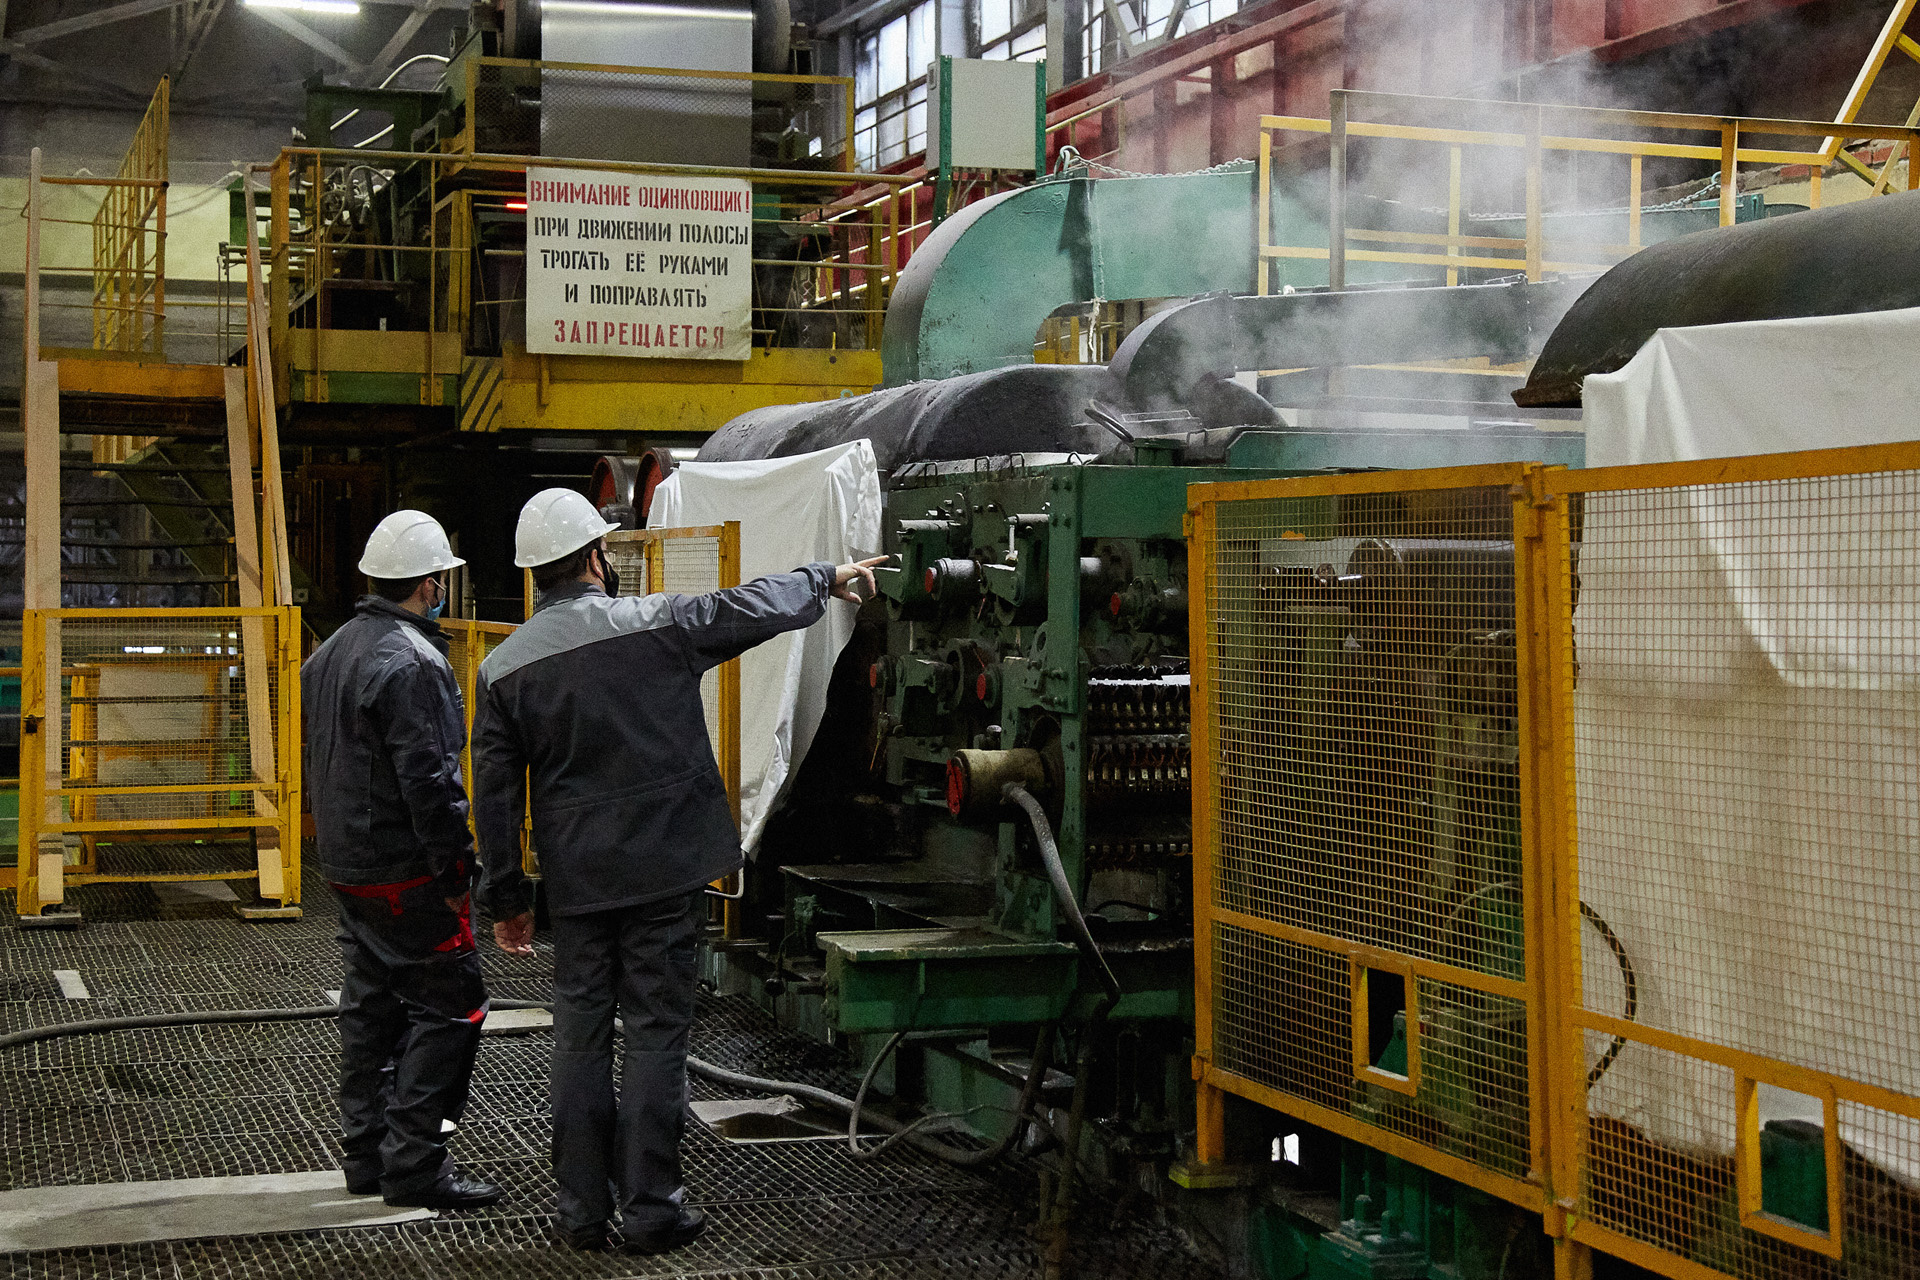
(469, 641)
(96, 264)
(1500, 133)
(1361, 903)
(130, 242)
(1553, 832)
(151, 738)
(827, 288)
(1726, 710)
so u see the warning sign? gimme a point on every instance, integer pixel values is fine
(639, 265)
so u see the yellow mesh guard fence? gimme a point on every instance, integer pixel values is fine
(1558, 831)
(1363, 901)
(145, 727)
(1737, 696)
(469, 641)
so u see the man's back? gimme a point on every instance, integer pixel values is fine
(384, 727)
(595, 703)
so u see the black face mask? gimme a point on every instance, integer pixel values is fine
(609, 578)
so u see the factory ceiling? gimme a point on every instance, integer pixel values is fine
(226, 57)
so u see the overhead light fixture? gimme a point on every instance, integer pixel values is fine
(342, 7)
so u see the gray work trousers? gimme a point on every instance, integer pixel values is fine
(411, 1004)
(640, 960)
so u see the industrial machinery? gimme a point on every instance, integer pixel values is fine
(993, 831)
(991, 835)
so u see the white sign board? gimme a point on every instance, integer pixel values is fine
(639, 265)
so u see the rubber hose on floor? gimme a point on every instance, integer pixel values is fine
(706, 1070)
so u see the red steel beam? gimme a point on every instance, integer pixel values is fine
(1733, 13)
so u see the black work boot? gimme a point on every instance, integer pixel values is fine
(682, 1233)
(454, 1191)
(600, 1235)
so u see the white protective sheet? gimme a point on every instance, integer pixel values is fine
(1747, 726)
(1764, 386)
(792, 511)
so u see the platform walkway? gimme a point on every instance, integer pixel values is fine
(238, 1100)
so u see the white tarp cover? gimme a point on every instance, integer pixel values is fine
(792, 511)
(1764, 386)
(1747, 726)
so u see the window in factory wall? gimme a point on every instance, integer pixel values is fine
(1014, 29)
(1026, 45)
(1100, 44)
(890, 88)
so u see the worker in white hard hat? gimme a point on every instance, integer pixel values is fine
(595, 704)
(384, 729)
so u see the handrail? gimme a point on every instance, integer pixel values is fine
(513, 163)
(1524, 127)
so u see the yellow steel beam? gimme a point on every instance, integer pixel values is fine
(109, 376)
(1377, 957)
(155, 877)
(1513, 1190)
(601, 393)
(1883, 44)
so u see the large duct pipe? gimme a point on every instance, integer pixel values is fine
(1857, 257)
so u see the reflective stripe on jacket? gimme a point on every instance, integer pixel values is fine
(384, 729)
(595, 703)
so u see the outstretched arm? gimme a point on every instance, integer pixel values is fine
(722, 625)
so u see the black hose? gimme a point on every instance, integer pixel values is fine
(1605, 1064)
(1063, 892)
(1083, 1063)
(706, 1070)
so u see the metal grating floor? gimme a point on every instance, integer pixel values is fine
(207, 1101)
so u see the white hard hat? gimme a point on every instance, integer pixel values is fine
(555, 523)
(407, 544)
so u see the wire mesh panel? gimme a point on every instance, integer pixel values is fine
(1364, 872)
(160, 715)
(1742, 656)
(469, 641)
(158, 724)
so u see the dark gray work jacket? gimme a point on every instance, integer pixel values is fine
(595, 703)
(384, 728)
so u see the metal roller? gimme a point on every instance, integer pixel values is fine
(628, 482)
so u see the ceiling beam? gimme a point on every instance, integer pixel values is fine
(391, 51)
(308, 36)
(203, 19)
(90, 21)
(117, 94)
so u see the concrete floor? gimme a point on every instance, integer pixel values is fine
(235, 1101)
